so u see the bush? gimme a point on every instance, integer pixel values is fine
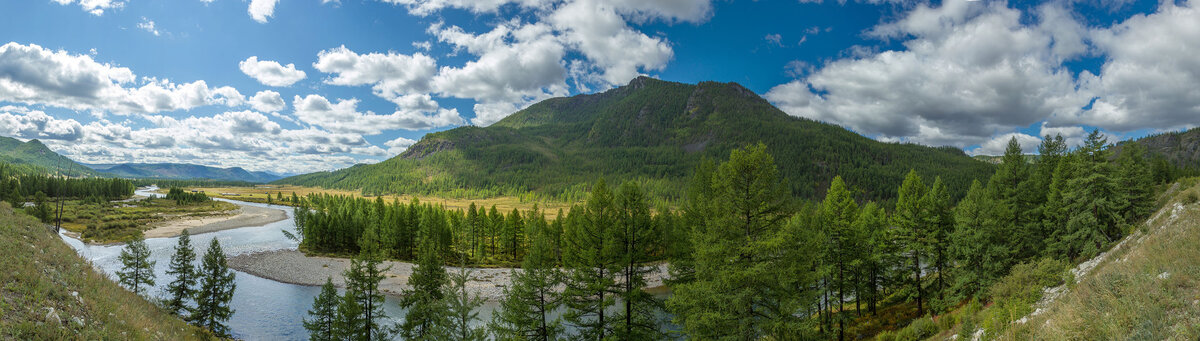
(886, 335)
(1190, 198)
(919, 330)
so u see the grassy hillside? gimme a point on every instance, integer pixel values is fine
(183, 171)
(50, 293)
(650, 130)
(35, 156)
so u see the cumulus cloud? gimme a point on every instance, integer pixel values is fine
(344, 117)
(34, 124)
(95, 7)
(969, 70)
(32, 74)
(399, 145)
(261, 10)
(267, 101)
(392, 75)
(271, 73)
(997, 145)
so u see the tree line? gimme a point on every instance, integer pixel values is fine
(747, 260)
(199, 294)
(182, 197)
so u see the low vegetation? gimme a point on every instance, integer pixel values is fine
(107, 222)
(49, 293)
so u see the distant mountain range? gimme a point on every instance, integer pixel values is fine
(651, 130)
(182, 171)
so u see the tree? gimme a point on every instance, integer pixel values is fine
(590, 258)
(1135, 182)
(910, 218)
(362, 285)
(324, 314)
(939, 226)
(871, 226)
(183, 269)
(530, 297)
(137, 269)
(426, 311)
(748, 268)
(837, 214)
(634, 239)
(461, 308)
(350, 322)
(40, 209)
(215, 292)
(1092, 200)
(1012, 188)
(696, 213)
(977, 246)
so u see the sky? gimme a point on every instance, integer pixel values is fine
(296, 86)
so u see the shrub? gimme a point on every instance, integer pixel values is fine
(919, 330)
(1190, 198)
(886, 335)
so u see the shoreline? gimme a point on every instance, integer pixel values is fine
(245, 216)
(293, 267)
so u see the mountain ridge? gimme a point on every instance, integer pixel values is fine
(183, 171)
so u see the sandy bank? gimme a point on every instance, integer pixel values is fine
(244, 216)
(291, 266)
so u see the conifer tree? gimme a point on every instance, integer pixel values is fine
(530, 298)
(695, 215)
(837, 214)
(362, 284)
(910, 232)
(513, 227)
(976, 244)
(350, 322)
(324, 314)
(216, 291)
(1012, 188)
(871, 226)
(940, 224)
(183, 269)
(748, 267)
(423, 300)
(461, 308)
(1092, 200)
(590, 257)
(634, 240)
(137, 269)
(1135, 182)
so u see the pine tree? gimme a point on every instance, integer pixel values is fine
(837, 214)
(350, 322)
(423, 300)
(634, 239)
(695, 216)
(750, 270)
(940, 225)
(183, 269)
(591, 256)
(1135, 182)
(871, 226)
(461, 308)
(324, 314)
(976, 244)
(137, 269)
(910, 219)
(1012, 188)
(215, 292)
(530, 297)
(1093, 201)
(362, 284)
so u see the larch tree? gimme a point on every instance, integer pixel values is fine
(634, 238)
(426, 315)
(462, 307)
(1093, 200)
(183, 269)
(939, 226)
(590, 257)
(323, 315)
(976, 245)
(137, 270)
(362, 285)
(215, 293)
(910, 233)
(530, 298)
(836, 216)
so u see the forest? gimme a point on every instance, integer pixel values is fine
(748, 260)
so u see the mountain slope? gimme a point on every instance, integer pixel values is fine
(650, 130)
(36, 154)
(1181, 149)
(184, 171)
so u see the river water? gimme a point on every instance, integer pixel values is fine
(263, 309)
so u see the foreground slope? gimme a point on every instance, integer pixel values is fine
(1145, 288)
(651, 130)
(50, 293)
(182, 171)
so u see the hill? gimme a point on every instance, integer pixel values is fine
(177, 171)
(650, 130)
(35, 155)
(1181, 149)
(50, 293)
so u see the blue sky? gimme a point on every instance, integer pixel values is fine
(296, 86)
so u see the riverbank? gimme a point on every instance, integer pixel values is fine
(292, 266)
(244, 216)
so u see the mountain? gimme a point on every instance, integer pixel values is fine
(183, 171)
(35, 154)
(1181, 149)
(651, 130)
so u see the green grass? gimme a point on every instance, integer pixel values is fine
(119, 222)
(40, 272)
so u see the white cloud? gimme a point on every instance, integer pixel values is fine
(775, 39)
(344, 117)
(596, 30)
(267, 101)
(391, 75)
(34, 124)
(32, 74)
(998, 144)
(398, 145)
(260, 10)
(427, 7)
(969, 71)
(271, 73)
(95, 7)
(148, 26)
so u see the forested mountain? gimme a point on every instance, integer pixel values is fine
(183, 171)
(649, 130)
(1175, 154)
(24, 155)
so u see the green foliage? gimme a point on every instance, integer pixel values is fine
(652, 132)
(591, 254)
(182, 197)
(531, 297)
(461, 308)
(426, 315)
(910, 233)
(136, 267)
(215, 292)
(362, 286)
(184, 271)
(324, 315)
(919, 329)
(634, 239)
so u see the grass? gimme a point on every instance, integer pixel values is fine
(120, 221)
(39, 273)
(259, 194)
